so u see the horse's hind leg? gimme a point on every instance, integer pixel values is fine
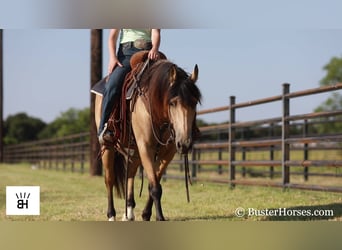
(130, 201)
(108, 164)
(130, 192)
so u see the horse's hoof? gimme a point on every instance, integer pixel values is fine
(125, 218)
(111, 218)
(146, 216)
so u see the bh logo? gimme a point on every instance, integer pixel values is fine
(22, 200)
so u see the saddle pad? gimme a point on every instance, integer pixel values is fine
(99, 87)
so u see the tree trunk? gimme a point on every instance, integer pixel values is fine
(96, 75)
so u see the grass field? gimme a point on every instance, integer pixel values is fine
(67, 196)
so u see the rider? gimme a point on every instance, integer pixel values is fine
(131, 41)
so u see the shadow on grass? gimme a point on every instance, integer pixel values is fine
(308, 213)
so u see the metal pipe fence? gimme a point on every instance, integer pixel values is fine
(284, 143)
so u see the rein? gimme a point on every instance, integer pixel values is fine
(187, 176)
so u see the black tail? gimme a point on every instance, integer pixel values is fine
(119, 174)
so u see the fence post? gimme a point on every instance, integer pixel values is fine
(285, 135)
(82, 158)
(194, 166)
(198, 165)
(95, 167)
(230, 142)
(244, 170)
(65, 154)
(50, 156)
(271, 150)
(1, 98)
(306, 150)
(219, 167)
(73, 159)
(56, 153)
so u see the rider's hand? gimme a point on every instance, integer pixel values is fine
(153, 54)
(113, 62)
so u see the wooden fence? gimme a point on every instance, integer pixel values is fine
(64, 153)
(234, 153)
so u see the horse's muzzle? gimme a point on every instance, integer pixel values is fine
(183, 146)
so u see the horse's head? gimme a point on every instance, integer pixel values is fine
(173, 97)
(182, 99)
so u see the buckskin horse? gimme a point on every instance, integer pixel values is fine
(162, 119)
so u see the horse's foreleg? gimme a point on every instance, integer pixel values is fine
(146, 146)
(155, 190)
(167, 155)
(108, 161)
(147, 212)
(155, 194)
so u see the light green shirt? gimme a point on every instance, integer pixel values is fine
(130, 35)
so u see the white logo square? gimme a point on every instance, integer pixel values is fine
(22, 200)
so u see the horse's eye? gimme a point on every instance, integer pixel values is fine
(173, 103)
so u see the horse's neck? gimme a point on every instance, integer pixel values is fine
(158, 115)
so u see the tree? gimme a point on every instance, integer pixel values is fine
(22, 128)
(334, 72)
(72, 121)
(334, 102)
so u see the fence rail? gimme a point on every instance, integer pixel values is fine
(68, 152)
(284, 143)
(233, 150)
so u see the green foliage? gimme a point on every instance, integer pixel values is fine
(69, 122)
(22, 128)
(334, 102)
(334, 72)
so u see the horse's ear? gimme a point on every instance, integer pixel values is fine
(194, 74)
(173, 74)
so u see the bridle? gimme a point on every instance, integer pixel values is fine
(166, 125)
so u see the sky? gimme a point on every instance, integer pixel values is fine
(47, 70)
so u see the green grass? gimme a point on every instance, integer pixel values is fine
(67, 196)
